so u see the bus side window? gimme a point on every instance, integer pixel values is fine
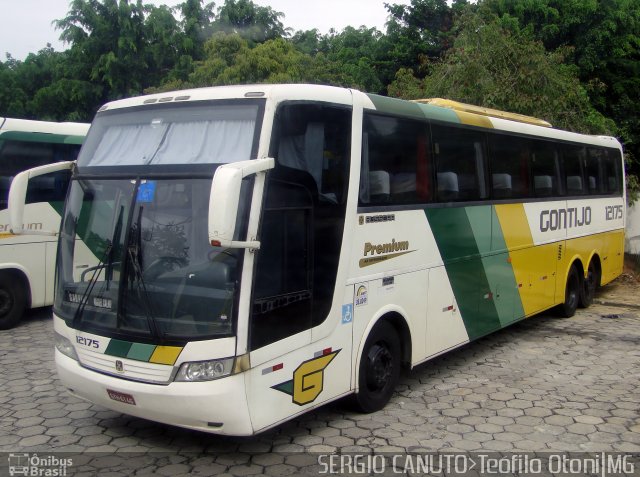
(593, 170)
(612, 172)
(572, 161)
(460, 163)
(545, 168)
(396, 163)
(509, 161)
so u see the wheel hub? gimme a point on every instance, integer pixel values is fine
(6, 302)
(380, 367)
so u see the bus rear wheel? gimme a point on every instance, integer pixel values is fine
(13, 301)
(571, 294)
(379, 369)
(589, 285)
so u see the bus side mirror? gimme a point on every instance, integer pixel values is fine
(18, 196)
(225, 198)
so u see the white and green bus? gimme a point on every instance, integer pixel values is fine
(233, 257)
(27, 262)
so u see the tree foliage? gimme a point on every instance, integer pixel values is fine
(491, 66)
(573, 62)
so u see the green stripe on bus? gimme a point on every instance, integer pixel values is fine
(465, 269)
(42, 137)
(438, 113)
(384, 104)
(141, 352)
(388, 105)
(118, 348)
(502, 277)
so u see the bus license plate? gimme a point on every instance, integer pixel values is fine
(121, 397)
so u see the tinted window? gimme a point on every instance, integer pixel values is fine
(302, 222)
(315, 139)
(396, 167)
(18, 156)
(573, 158)
(612, 172)
(545, 169)
(593, 170)
(510, 158)
(459, 158)
(282, 294)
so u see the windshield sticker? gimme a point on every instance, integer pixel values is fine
(308, 379)
(146, 191)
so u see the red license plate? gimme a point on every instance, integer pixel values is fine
(121, 397)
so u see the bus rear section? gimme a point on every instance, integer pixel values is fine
(27, 262)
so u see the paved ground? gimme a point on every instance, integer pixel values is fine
(546, 384)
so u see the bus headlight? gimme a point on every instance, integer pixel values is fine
(205, 370)
(65, 347)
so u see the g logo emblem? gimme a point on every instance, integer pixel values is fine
(308, 379)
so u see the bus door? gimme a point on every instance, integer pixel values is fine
(295, 274)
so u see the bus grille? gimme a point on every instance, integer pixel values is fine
(131, 369)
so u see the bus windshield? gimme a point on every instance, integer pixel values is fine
(135, 259)
(211, 133)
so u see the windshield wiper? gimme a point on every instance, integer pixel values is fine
(92, 282)
(135, 259)
(104, 262)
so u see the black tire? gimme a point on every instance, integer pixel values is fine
(13, 301)
(589, 286)
(571, 294)
(379, 369)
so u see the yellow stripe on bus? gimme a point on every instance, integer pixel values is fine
(533, 266)
(165, 354)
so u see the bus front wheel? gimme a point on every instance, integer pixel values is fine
(379, 369)
(13, 301)
(571, 294)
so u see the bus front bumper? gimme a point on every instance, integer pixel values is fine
(218, 406)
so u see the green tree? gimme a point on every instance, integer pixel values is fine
(196, 25)
(491, 66)
(421, 31)
(107, 44)
(251, 21)
(605, 40)
(230, 60)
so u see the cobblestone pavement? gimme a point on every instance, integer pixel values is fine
(545, 384)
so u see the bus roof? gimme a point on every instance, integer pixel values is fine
(441, 110)
(42, 131)
(47, 127)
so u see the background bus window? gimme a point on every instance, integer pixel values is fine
(509, 165)
(18, 156)
(545, 169)
(572, 162)
(396, 167)
(460, 163)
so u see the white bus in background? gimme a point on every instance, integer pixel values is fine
(27, 262)
(232, 257)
